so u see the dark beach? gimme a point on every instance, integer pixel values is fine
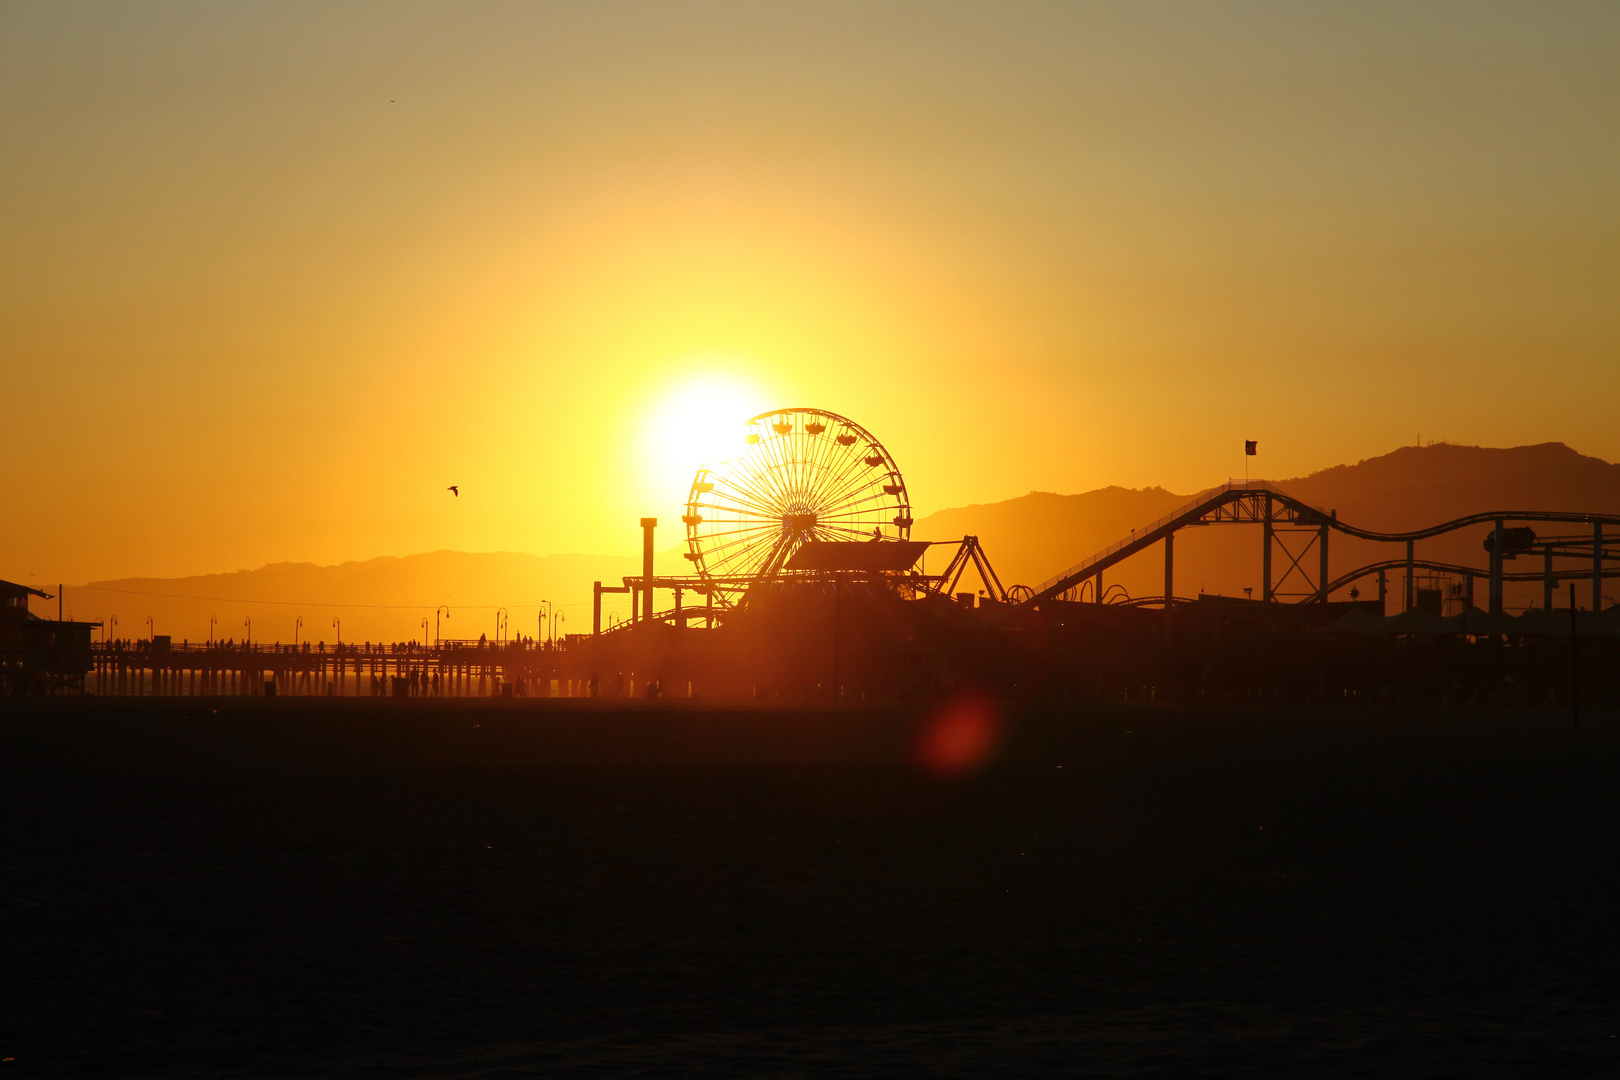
(278, 888)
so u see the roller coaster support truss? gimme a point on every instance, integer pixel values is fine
(1292, 528)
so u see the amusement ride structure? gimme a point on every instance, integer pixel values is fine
(805, 476)
(1281, 516)
(815, 497)
(811, 497)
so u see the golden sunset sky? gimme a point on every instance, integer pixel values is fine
(273, 276)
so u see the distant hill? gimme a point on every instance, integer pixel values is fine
(383, 599)
(1029, 539)
(1037, 535)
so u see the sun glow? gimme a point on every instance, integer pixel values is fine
(699, 421)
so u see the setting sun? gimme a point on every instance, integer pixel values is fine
(695, 422)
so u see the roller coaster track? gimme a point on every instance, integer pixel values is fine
(1257, 501)
(1456, 570)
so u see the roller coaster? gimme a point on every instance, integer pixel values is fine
(1281, 514)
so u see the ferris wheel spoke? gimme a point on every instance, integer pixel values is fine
(750, 494)
(764, 448)
(730, 545)
(866, 493)
(815, 458)
(854, 481)
(736, 502)
(856, 490)
(762, 482)
(793, 449)
(850, 479)
(743, 535)
(750, 529)
(747, 562)
(862, 498)
(871, 515)
(797, 452)
(819, 471)
(733, 564)
(779, 474)
(726, 499)
(817, 468)
(775, 557)
(739, 524)
(861, 529)
(831, 453)
(755, 504)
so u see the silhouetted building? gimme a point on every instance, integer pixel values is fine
(38, 655)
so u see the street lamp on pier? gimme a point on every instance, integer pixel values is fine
(297, 625)
(212, 619)
(500, 622)
(151, 630)
(338, 623)
(444, 611)
(248, 622)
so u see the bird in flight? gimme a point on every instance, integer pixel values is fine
(454, 489)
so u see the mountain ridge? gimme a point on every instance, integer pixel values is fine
(1028, 538)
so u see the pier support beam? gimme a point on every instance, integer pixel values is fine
(1411, 577)
(1597, 566)
(1496, 569)
(1169, 579)
(647, 527)
(1265, 556)
(1322, 563)
(1169, 569)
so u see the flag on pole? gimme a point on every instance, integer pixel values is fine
(1251, 447)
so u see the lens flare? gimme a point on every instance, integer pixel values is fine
(960, 736)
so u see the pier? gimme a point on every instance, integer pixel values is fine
(446, 669)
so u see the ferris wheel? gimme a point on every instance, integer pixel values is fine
(803, 474)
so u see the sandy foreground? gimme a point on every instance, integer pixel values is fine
(291, 887)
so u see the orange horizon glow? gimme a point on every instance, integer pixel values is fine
(272, 283)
